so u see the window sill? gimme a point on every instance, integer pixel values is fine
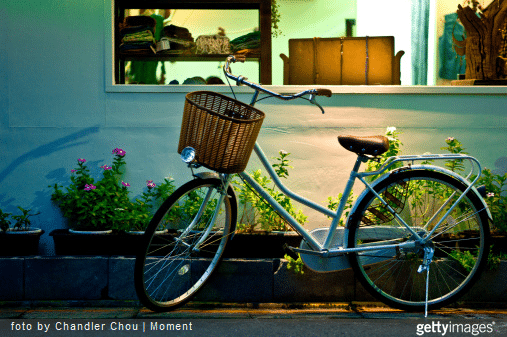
(287, 89)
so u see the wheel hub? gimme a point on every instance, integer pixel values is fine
(419, 248)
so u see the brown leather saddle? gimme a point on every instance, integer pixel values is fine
(365, 145)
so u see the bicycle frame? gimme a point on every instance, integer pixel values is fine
(325, 250)
(396, 250)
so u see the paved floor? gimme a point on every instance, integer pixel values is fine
(131, 310)
(318, 319)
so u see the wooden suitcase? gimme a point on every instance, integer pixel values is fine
(342, 61)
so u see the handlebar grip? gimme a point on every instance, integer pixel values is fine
(324, 92)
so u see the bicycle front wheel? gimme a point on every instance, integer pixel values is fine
(173, 265)
(460, 243)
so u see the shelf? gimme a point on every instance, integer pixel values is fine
(263, 7)
(180, 57)
(194, 4)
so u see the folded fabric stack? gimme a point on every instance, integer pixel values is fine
(249, 43)
(176, 40)
(137, 35)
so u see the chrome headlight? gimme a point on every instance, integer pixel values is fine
(188, 155)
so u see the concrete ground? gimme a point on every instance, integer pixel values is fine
(132, 310)
(219, 319)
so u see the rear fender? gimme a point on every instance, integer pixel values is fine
(420, 167)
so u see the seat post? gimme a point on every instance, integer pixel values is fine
(343, 201)
(360, 159)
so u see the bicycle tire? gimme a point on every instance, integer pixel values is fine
(168, 272)
(391, 275)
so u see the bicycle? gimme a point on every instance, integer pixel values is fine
(408, 221)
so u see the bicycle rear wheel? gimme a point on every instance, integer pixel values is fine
(460, 243)
(173, 266)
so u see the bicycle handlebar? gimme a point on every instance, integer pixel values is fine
(243, 80)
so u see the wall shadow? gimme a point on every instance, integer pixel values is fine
(49, 148)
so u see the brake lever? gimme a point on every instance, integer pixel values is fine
(313, 100)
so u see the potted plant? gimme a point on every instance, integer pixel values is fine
(259, 225)
(275, 19)
(142, 209)
(102, 207)
(21, 239)
(93, 205)
(496, 198)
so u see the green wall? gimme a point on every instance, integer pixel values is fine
(54, 109)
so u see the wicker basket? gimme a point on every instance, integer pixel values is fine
(222, 130)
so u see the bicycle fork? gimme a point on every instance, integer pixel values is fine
(226, 180)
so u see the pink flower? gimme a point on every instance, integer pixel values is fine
(150, 184)
(125, 184)
(81, 160)
(89, 187)
(73, 171)
(119, 152)
(105, 167)
(450, 139)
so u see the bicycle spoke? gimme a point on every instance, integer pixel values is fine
(178, 263)
(459, 239)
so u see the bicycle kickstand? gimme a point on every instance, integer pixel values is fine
(425, 266)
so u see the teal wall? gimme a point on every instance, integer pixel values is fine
(54, 109)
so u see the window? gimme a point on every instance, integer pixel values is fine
(185, 42)
(298, 20)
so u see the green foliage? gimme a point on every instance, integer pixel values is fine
(496, 198)
(275, 19)
(256, 211)
(495, 259)
(22, 223)
(296, 266)
(281, 168)
(333, 204)
(394, 150)
(4, 223)
(454, 146)
(468, 260)
(183, 213)
(496, 184)
(105, 204)
(141, 210)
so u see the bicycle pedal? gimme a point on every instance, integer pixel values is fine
(288, 250)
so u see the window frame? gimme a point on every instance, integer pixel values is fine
(112, 87)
